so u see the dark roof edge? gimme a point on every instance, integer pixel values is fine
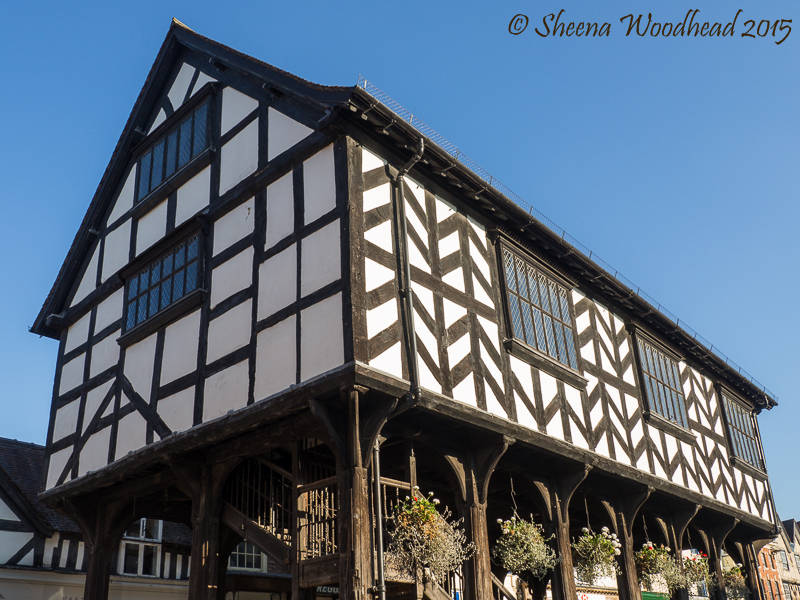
(578, 264)
(531, 228)
(179, 35)
(8, 485)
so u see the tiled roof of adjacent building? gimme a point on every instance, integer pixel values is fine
(21, 465)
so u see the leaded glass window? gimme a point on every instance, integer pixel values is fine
(163, 282)
(662, 384)
(173, 150)
(539, 310)
(742, 432)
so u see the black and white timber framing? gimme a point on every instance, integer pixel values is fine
(299, 330)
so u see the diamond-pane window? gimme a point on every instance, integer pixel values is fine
(163, 282)
(662, 384)
(742, 432)
(539, 310)
(174, 150)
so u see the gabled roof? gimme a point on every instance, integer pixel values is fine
(179, 37)
(21, 465)
(790, 527)
(367, 115)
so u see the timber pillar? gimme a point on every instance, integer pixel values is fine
(622, 511)
(352, 426)
(673, 527)
(749, 560)
(714, 538)
(101, 524)
(555, 495)
(473, 468)
(203, 482)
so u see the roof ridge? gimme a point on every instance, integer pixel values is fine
(176, 22)
(5, 439)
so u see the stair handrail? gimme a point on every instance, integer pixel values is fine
(502, 588)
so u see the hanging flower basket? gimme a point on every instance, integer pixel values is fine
(658, 570)
(735, 584)
(522, 548)
(423, 539)
(594, 555)
(695, 569)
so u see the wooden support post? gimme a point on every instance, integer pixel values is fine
(298, 512)
(352, 429)
(555, 495)
(750, 564)
(473, 469)
(228, 540)
(674, 526)
(203, 482)
(622, 512)
(101, 524)
(716, 539)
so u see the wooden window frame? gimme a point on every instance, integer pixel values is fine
(651, 413)
(142, 541)
(257, 552)
(519, 347)
(196, 163)
(177, 308)
(740, 462)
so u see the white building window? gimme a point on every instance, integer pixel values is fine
(140, 549)
(247, 557)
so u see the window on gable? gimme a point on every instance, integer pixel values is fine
(163, 282)
(173, 151)
(784, 560)
(662, 384)
(797, 560)
(539, 310)
(742, 432)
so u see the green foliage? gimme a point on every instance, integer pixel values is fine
(735, 584)
(421, 538)
(593, 555)
(523, 548)
(657, 568)
(695, 569)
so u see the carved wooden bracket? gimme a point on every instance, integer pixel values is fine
(625, 509)
(473, 468)
(352, 426)
(555, 493)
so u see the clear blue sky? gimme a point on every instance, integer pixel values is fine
(675, 159)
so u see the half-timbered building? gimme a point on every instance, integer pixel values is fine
(287, 305)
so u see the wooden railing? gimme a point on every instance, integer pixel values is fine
(317, 526)
(262, 491)
(500, 591)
